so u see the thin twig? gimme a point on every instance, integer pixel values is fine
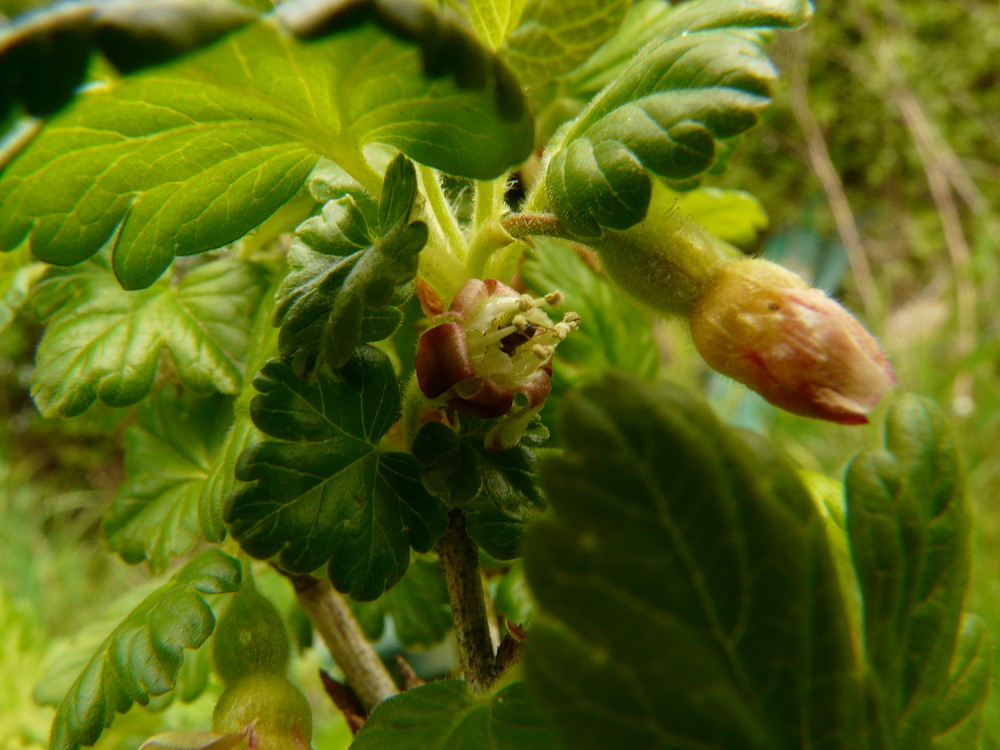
(460, 560)
(333, 619)
(936, 169)
(826, 172)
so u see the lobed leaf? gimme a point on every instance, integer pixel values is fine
(323, 492)
(104, 342)
(685, 591)
(169, 453)
(444, 715)
(349, 274)
(699, 83)
(143, 655)
(188, 157)
(908, 524)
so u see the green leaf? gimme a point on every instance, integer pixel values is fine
(702, 81)
(444, 715)
(188, 157)
(221, 479)
(418, 605)
(493, 20)
(613, 332)
(959, 715)
(169, 453)
(144, 654)
(908, 524)
(349, 278)
(44, 55)
(686, 594)
(17, 276)
(102, 341)
(553, 38)
(323, 491)
(731, 215)
(497, 489)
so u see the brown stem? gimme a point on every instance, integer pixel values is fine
(335, 622)
(460, 560)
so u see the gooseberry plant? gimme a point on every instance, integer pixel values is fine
(347, 269)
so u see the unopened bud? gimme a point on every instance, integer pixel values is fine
(763, 326)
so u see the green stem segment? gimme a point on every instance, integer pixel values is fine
(460, 560)
(333, 619)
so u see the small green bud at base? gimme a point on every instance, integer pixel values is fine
(266, 708)
(250, 636)
(763, 326)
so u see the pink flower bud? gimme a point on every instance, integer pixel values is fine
(490, 356)
(763, 326)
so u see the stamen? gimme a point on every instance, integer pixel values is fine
(555, 298)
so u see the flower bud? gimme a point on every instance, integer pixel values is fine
(763, 326)
(490, 355)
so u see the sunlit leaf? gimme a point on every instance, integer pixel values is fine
(190, 156)
(104, 342)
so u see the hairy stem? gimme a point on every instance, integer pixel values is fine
(335, 622)
(525, 225)
(460, 560)
(441, 211)
(822, 165)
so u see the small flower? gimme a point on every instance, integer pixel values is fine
(493, 347)
(763, 326)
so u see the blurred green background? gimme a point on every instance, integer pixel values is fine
(879, 165)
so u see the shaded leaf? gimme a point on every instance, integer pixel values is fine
(188, 157)
(44, 55)
(102, 341)
(702, 81)
(168, 455)
(323, 492)
(143, 656)
(418, 605)
(908, 525)
(497, 489)
(686, 595)
(446, 716)
(349, 274)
